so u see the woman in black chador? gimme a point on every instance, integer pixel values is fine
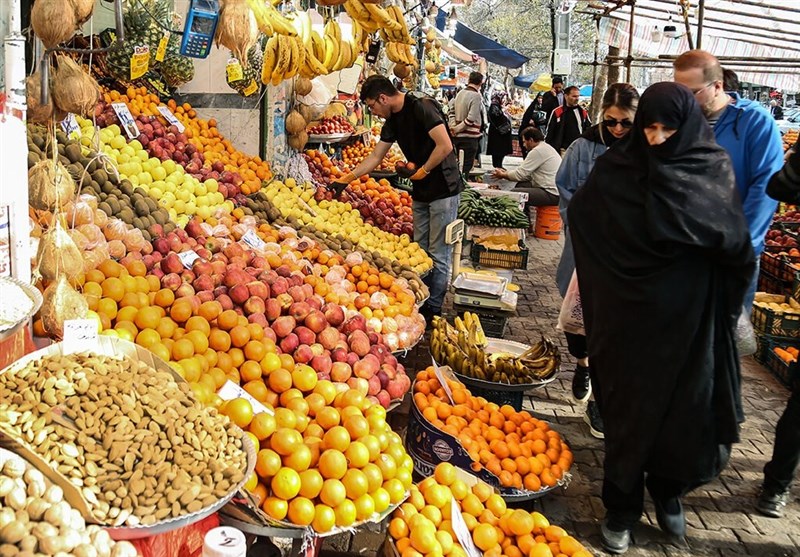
(663, 257)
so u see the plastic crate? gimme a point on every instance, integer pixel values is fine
(768, 322)
(772, 284)
(786, 372)
(493, 322)
(771, 263)
(790, 264)
(765, 343)
(486, 257)
(796, 287)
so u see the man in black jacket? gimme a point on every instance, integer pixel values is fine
(567, 122)
(553, 98)
(779, 472)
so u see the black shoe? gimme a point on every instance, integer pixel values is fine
(771, 504)
(670, 517)
(594, 420)
(581, 384)
(613, 541)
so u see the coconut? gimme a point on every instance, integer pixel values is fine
(50, 186)
(237, 29)
(58, 255)
(401, 71)
(298, 141)
(303, 86)
(73, 89)
(53, 21)
(37, 113)
(83, 10)
(60, 303)
(295, 123)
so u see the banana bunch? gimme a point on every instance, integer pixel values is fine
(399, 35)
(311, 45)
(284, 56)
(462, 347)
(271, 20)
(338, 53)
(371, 16)
(361, 37)
(400, 53)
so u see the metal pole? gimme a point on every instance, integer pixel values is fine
(596, 51)
(630, 43)
(701, 12)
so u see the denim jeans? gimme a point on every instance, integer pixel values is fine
(430, 221)
(751, 290)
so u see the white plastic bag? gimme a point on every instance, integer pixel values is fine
(570, 318)
(746, 343)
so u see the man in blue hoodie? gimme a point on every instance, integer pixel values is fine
(747, 132)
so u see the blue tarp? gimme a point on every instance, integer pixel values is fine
(481, 45)
(586, 91)
(525, 81)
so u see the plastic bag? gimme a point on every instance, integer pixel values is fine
(570, 318)
(81, 211)
(745, 336)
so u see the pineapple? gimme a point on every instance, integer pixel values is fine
(177, 70)
(250, 71)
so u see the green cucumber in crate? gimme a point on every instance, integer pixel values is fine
(501, 211)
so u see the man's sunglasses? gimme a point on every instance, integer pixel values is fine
(612, 123)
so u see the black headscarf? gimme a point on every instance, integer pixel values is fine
(664, 258)
(599, 134)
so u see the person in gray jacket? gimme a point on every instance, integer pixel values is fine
(618, 110)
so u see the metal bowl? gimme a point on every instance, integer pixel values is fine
(36, 297)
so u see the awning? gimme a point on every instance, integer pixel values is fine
(481, 45)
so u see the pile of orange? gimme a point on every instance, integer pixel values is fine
(369, 280)
(204, 135)
(139, 101)
(522, 451)
(355, 153)
(382, 189)
(326, 457)
(424, 525)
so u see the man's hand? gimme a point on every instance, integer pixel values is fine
(340, 184)
(420, 174)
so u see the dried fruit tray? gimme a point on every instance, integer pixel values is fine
(109, 346)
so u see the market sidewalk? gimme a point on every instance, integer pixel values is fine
(721, 518)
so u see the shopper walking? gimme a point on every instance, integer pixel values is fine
(534, 117)
(775, 110)
(747, 132)
(417, 124)
(618, 110)
(553, 98)
(663, 261)
(468, 120)
(780, 470)
(499, 144)
(567, 122)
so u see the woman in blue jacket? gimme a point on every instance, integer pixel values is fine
(618, 111)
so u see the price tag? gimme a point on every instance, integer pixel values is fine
(70, 126)
(161, 51)
(140, 61)
(231, 390)
(443, 380)
(126, 119)
(252, 88)
(461, 531)
(251, 239)
(365, 139)
(79, 335)
(234, 70)
(188, 258)
(171, 118)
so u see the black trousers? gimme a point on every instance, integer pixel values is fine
(497, 161)
(470, 147)
(779, 472)
(576, 345)
(537, 197)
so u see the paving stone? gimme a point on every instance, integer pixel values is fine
(716, 520)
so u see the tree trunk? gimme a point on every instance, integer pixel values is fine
(598, 91)
(613, 71)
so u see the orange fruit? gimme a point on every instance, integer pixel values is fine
(336, 438)
(365, 507)
(286, 483)
(355, 483)
(304, 378)
(263, 425)
(280, 380)
(257, 389)
(333, 492)
(268, 462)
(311, 482)
(227, 320)
(240, 336)
(332, 464)
(300, 459)
(345, 513)
(324, 519)
(275, 507)
(357, 455)
(285, 441)
(301, 511)
(239, 410)
(485, 536)
(328, 417)
(445, 473)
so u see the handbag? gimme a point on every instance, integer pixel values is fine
(570, 318)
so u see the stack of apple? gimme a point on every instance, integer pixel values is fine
(333, 125)
(780, 239)
(297, 320)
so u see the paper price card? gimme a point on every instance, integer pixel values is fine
(188, 258)
(140, 61)
(79, 335)
(70, 126)
(443, 380)
(234, 70)
(171, 118)
(251, 239)
(126, 119)
(461, 531)
(161, 51)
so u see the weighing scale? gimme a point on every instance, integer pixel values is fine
(454, 234)
(201, 24)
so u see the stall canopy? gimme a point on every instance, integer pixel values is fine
(767, 29)
(481, 45)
